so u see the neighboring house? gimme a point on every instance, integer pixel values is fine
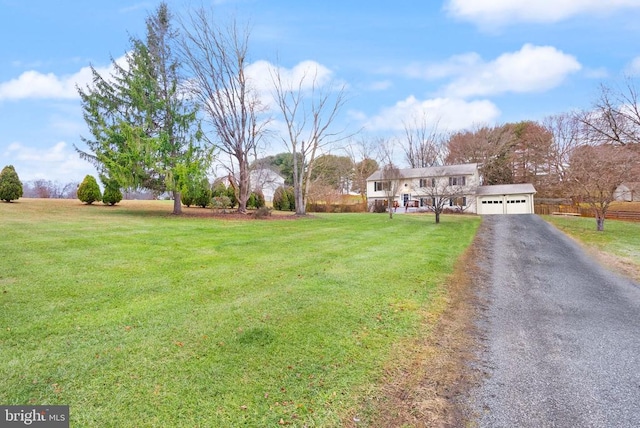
(457, 187)
(267, 181)
(629, 192)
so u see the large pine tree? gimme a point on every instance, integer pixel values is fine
(145, 133)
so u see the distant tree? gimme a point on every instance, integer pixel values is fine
(488, 146)
(333, 171)
(614, 117)
(422, 144)
(70, 190)
(112, 193)
(595, 172)
(360, 152)
(89, 191)
(10, 184)
(565, 130)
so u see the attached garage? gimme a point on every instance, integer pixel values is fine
(505, 199)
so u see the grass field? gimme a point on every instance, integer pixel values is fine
(617, 246)
(136, 318)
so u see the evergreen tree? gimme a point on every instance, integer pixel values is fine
(112, 194)
(145, 132)
(10, 184)
(89, 191)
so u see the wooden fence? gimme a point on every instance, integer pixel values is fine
(554, 209)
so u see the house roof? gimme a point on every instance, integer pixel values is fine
(432, 171)
(631, 185)
(505, 189)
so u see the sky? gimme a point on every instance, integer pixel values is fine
(459, 63)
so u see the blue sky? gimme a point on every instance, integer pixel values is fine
(462, 63)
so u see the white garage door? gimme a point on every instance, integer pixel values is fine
(491, 205)
(512, 204)
(518, 204)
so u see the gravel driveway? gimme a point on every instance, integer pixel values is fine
(561, 334)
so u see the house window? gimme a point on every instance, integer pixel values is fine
(423, 182)
(460, 201)
(457, 181)
(381, 185)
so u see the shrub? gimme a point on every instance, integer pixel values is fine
(197, 193)
(262, 212)
(202, 195)
(186, 197)
(112, 194)
(256, 200)
(283, 199)
(221, 202)
(10, 184)
(89, 191)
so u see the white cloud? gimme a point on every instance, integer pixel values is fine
(633, 68)
(456, 65)
(450, 114)
(502, 12)
(531, 69)
(304, 75)
(58, 162)
(36, 85)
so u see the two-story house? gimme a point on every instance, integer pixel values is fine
(455, 187)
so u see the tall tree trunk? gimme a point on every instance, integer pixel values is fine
(177, 203)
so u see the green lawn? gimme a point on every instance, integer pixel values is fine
(621, 239)
(137, 318)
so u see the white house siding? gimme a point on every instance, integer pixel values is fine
(409, 188)
(498, 199)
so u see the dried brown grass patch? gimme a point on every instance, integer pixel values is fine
(428, 377)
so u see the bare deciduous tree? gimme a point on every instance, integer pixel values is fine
(422, 145)
(442, 192)
(217, 59)
(566, 131)
(595, 172)
(615, 116)
(390, 174)
(360, 152)
(308, 110)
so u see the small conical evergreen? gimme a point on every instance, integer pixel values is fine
(89, 191)
(112, 194)
(10, 185)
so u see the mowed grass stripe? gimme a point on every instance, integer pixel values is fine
(137, 318)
